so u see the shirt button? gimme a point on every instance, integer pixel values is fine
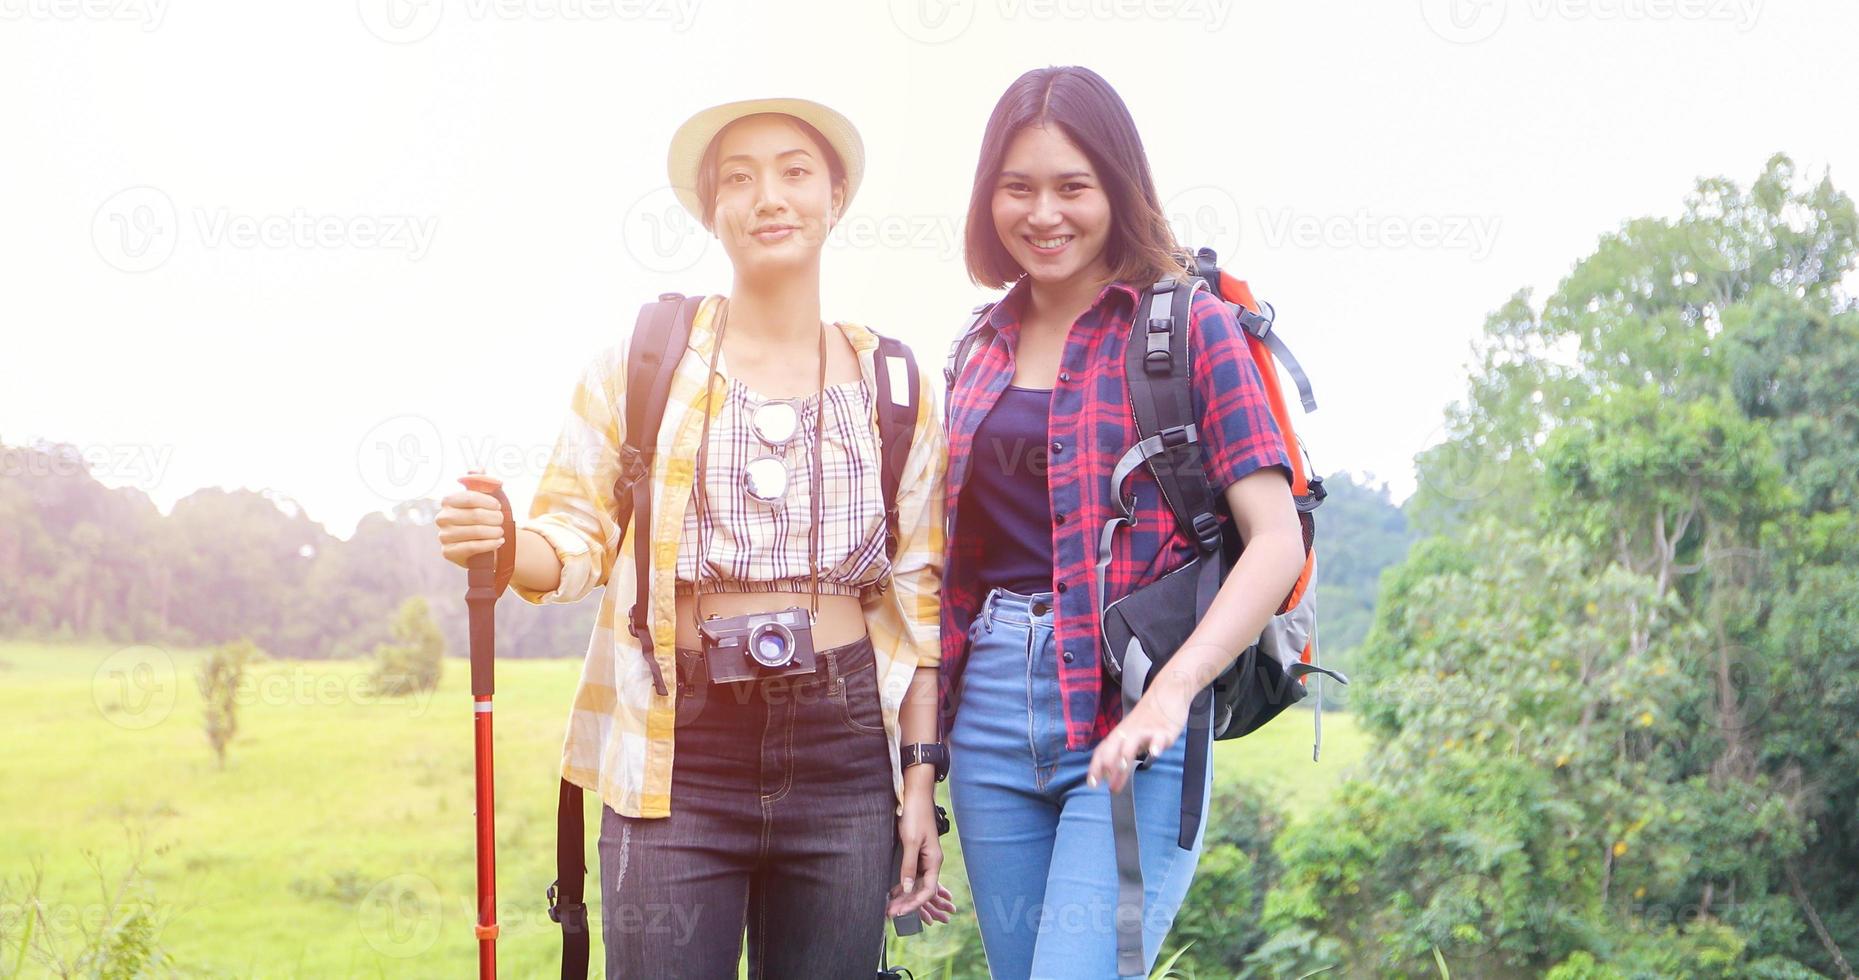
(1064, 376)
(1058, 518)
(1068, 656)
(1058, 447)
(1061, 586)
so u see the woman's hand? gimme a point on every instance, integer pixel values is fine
(470, 523)
(916, 889)
(1151, 727)
(939, 908)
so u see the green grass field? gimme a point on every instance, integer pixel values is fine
(337, 840)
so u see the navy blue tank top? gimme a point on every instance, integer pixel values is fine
(1005, 503)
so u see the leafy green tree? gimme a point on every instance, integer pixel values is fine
(412, 662)
(1613, 687)
(221, 678)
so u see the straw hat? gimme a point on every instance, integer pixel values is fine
(693, 138)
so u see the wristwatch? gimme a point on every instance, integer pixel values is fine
(920, 753)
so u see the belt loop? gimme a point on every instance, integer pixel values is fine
(832, 668)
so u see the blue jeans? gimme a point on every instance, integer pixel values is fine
(1035, 839)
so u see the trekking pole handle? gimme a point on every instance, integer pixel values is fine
(486, 576)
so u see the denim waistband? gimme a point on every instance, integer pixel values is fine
(830, 664)
(1008, 606)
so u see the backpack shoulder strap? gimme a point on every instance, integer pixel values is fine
(1158, 373)
(898, 391)
(972, 336)
(659, 337)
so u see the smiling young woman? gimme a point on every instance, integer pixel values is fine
(801, 639)
(1065, 210)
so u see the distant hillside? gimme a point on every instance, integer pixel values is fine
(1360, 532)
(81, 561)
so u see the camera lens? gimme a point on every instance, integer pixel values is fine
(771, 646)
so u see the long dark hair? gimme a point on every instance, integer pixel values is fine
(1141, 248)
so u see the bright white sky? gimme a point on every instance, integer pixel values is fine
(337, 249)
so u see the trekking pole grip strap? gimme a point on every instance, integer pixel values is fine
(506, 553)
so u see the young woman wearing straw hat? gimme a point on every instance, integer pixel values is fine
(784, 810)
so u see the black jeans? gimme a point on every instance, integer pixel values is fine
(783, 818)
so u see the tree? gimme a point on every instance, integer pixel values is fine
(221, 678)
(1613, 687)
(411, 663)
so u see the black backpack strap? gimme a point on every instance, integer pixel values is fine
(566, 899)
(897, 393)
(660, 335)
(974, 335)
(1162, 394)
(1158, 373)
(659, 338)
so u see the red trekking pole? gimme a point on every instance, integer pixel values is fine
(486, 577)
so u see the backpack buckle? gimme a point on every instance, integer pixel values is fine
(1207, 530)
(635, 465)
(1177, 436)
(1256, 324)
(574, 912)
(1157, 359)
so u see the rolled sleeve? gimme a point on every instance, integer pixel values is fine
(573, 509)
(1238, 433)
(580, 572)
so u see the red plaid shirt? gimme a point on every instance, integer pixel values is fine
(1090, 428)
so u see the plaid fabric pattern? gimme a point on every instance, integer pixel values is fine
(619, 739)
(751, 546)
(1090, 428)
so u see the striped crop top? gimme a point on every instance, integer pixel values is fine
(746, 545)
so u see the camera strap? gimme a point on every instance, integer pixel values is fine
(818, 475)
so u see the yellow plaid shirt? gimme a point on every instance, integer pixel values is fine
(619, 741)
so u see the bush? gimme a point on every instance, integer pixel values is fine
(1219, 921)
(219, 680)
(118, 938)
(411, 663)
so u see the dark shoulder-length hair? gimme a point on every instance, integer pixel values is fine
(1141, 248)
